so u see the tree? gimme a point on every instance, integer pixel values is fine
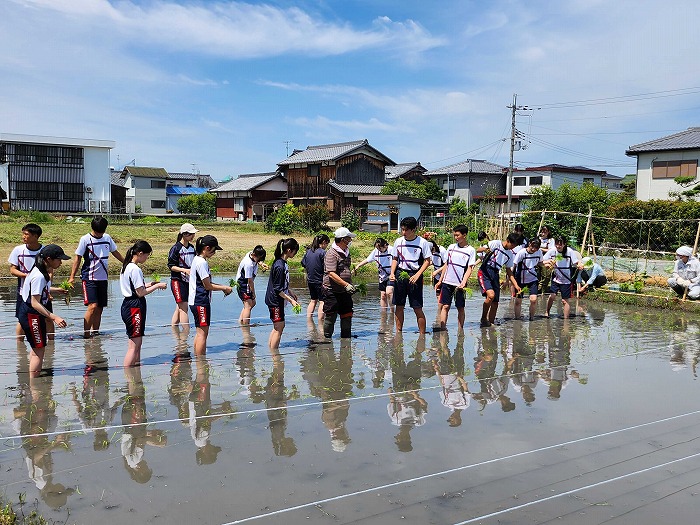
(202, 204)
(690, 182)
(409, 188)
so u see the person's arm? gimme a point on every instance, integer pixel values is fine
(14, 270)
(118, 256)
(74, 268)
(442, 272)
(368, 260)
(511, 278)
(251, 287)
(144, 290)
(467, 275)
(394, 264)
(414, 278)
(36, 304)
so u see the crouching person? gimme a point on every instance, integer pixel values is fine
(686, 274)
(337, 285)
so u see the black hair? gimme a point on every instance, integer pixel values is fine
(461, 228)
(259, 252)
(139, 246)
(40, 263)
(535, 243)
(99, 224)
(410, 223)
(513, 238)
(32, 228)
(549, 230)
(435, 247)
(286, 244)
(481, 236)
(318, 241)
(519, 228)
(380, 241)
(563, 240)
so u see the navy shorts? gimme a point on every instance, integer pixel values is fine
(383, 285)
(134, 316)
(18, 303)
(33, 324)
(489, 280)
(437, 290)
(563, 289)
(276, 314)
(202, 315)
(180, 290)
(244, 293)
(447, 291)
(532, 287)
(95, 292)
(315, 291)
(403, 290)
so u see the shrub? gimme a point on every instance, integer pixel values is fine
(315, 217)
(351, 219)
(285, 220)
(203, 204)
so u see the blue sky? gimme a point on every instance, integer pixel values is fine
(228, 86)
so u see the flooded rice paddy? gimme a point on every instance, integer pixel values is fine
(594, 419)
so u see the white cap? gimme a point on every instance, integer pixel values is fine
(684, 251)
(340, 233)
(188, 228)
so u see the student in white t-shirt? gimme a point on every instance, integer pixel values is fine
(454, 275)
(565, 262)
(382, 255)
(526, 264)
(245, 277)
(134, 289)
(94, 249)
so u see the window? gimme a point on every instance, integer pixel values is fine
(519, 181)
(157, 184)
(158, 204)
(32, 190)
(589, 180)
(313, 170)
(238, 205)
(536, 181)
(670, 169)
(72, 192)
(72, 156)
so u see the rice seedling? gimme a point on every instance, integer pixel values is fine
(296, 309)
(233, 283)
(155, 277)
(362, 288)
(65, 285)
(403, 275)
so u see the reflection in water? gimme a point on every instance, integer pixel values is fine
(136, 434)
(36, 414)
(330, 379)
(180, 336)
(92, 405)
(450, 369)
(203, 414)
(406, 408)
(276, 396)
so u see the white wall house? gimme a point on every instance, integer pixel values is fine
(55, 174)
(470, 180)
(661, 160)
(145, 189)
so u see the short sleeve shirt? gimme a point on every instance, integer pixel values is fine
(36, 284)
(525, 266)
(383, 260)
(180, 256)
(439, 258)
(500, 256)
(23, 259)
(411, 254)
(247, 269)
(199, 296)
(95, 253)
(565, 266)
(131, 279)
(458, 260)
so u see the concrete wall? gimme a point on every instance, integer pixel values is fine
(648, 188)
(144, 194)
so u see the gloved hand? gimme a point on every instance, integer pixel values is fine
(350, 289)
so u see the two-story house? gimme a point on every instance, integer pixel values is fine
(145, 189)
(334, 175)
(470, 180)
(55, 174)
(659, 161)
(250, 197)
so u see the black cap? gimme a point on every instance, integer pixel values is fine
(210, 240)
(53, 251)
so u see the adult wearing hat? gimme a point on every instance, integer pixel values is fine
(591, 277)
(686, 274)
(337, 284)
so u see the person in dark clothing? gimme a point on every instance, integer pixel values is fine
(312, 262)
(337, 285)
(278, 289)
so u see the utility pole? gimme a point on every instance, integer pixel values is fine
(512, 150)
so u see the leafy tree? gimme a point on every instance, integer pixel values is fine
(315, 217)
(351, 219)
(284, 220)
(689, 182)
(203, 204)
(422, 190)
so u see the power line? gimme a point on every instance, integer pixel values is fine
(620, 99)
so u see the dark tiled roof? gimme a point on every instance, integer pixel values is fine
(247, 182)
(115, 178)
(468, 166)
(364, 189)
(393, 172)
(328, 152)
(203, 181)
(688, 139)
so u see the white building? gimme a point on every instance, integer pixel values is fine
(55, 174)
(661, 160)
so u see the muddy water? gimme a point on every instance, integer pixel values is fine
(590, 420)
